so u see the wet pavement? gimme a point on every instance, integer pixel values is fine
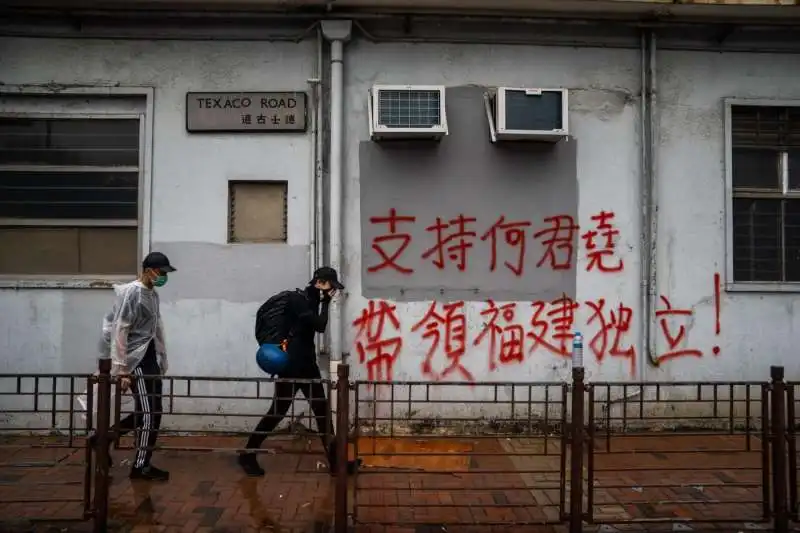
(406, 485)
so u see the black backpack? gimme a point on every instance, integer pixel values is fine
(273, 323)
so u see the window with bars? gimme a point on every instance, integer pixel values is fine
(765, 157)
(69, 194)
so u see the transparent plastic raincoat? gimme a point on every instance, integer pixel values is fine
(134, 321)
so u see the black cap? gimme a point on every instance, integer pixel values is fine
(157, 261)
(328, 274)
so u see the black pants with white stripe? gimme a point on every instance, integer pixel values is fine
(146, 388)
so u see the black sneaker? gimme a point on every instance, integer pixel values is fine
(249, 463)
(149, 473)
(93, 444)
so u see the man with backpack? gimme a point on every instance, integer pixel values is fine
(286, 326)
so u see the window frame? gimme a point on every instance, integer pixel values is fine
(749, 286)
(144, 215)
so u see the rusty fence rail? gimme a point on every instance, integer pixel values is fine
(217, 414)
(43, 445)
(792, 434)
(513, 455)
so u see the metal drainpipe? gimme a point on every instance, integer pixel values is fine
(653, 289)
(319, 208)
(314, 192)
(649, 231)
(317, 190)
(337, 32)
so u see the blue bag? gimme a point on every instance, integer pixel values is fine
(272, 359)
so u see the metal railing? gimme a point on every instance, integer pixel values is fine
(507, 469)
(43, 443)
(687, 452)
(576, 453)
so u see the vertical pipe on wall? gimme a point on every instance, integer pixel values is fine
(649, 229)
(644, 186)
(337, 86)
(314, 191)
(317, 191)
(337, 32)
(653, 175)
(318, 169)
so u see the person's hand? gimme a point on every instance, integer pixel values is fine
(124, 382)
(327, 296)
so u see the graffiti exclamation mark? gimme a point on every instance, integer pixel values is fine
(717, 328)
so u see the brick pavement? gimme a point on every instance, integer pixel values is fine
(513, 483)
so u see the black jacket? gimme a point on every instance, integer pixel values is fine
(308, 316)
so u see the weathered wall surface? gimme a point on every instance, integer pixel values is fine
(209, 304)
(754, 329)
(604, 114)
(485, 198)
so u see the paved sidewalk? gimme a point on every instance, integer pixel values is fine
(443, 485)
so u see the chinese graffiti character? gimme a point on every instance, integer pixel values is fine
(290, 118)
(275, 119)
(246, 119)
(454, 323)
(376, 351)
(673, 340)
(558, 242)
(558, 320)
(443, 247)
(511, 336)
(514, 236)
(389, 260)
(597, 254)
(261, 119)
(616, 322)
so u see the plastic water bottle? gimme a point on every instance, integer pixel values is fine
(577, 350)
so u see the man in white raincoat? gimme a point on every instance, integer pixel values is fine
(133, 337)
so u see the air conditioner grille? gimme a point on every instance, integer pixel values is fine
(409, 108)
(533, 113)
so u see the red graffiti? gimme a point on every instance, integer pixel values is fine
(456, 252)
(377, 352)
(597, 254)
(563, 318)
(402, 240)
(559, 238)
(511, 336)
(615, 325)
(557, 321)
(454, 323)
(673, 340)
(514, 236)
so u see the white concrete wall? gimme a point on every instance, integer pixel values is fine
(209, 305)
(603, 118)
(54, 330)
(756, 329)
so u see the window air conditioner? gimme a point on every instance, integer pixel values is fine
(407, 112)
(518, 114)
